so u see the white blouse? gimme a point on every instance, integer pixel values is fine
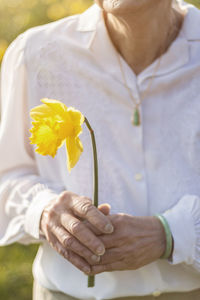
(153, 168)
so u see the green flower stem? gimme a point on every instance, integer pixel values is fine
(91, 279)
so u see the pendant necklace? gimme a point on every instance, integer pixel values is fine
(135, 118)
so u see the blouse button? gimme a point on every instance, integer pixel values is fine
(156, 293)
(138, 176)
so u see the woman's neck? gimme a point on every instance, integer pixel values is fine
(144, 36)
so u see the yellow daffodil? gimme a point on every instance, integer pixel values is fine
(55, 123)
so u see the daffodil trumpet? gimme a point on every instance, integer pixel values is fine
(55, 124)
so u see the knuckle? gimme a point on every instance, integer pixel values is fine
(57, 204)
(62, 251)
(75, 227)
(86, 207)
(68, 241)
(59, 233)
(84, 198)
(51, 214)
(63, 196)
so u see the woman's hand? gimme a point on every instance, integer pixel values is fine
(135, 242)
(62, 223)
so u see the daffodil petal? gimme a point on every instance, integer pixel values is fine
(77, 131)
(74, 149)
(57, 106)
(40, 112)
(54, 123)
(76, 116)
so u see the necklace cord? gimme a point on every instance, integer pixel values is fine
(162, 52)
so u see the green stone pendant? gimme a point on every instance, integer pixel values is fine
(136, 117)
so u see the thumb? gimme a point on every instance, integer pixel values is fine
(104, 208)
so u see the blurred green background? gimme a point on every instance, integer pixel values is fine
(18, 15)
(15, 17)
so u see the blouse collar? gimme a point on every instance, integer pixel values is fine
(89, 19)
(99, 43)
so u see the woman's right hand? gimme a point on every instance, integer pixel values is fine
(62, 223)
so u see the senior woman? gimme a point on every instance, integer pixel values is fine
(133, 68)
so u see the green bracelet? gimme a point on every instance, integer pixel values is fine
(168, 236)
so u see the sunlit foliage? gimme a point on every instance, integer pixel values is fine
(18, 15)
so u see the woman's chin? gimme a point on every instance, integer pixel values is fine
(119, 7)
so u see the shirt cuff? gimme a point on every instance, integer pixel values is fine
(181, 223)
(34, 212)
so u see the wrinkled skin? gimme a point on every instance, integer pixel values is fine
(76, 230)
(63, 225)
(135, 242)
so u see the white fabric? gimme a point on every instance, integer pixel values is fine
(73, 60)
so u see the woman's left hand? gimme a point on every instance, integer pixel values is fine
(135, 242)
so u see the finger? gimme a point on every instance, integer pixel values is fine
(104, 208)
(71, 243)
(72, 257)
(92, 228)
(109, 241)
(78, 229)
(111, 256)
(82, 207)
(115, 266)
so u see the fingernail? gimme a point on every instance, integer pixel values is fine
(100, 250)
(108, 228)
(95, 258)
(86, 270)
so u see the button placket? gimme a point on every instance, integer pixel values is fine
(138, 167)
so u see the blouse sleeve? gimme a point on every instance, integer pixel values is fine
(23, 193)
(184, 222)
